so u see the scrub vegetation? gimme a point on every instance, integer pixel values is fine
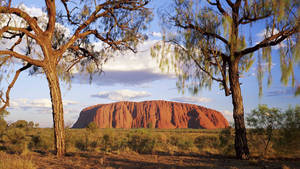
(273, 134)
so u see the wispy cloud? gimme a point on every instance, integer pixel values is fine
(228, 115)
(108, 78)
(156, 34)
(122, 95)
(42, 105)
(128, 68)
(281, 91)
(192, 99)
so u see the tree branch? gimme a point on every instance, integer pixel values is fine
(23, 30)
(51, 10)
(270, 41)
(196, 62)
(247, 19)
(10, 86)
(219, 6)
(30, 20)
(202, 31)
(22, 57)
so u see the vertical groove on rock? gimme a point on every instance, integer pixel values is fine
(161, 114)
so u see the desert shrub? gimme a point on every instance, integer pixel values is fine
(263, 122)
(150, 125)
(141, 142)
(92, 127)
(206, 142)
(22, 124)
(111, 142)
(15, 140)
(3, 126)
(288, 141)
(15, 162)
(81, 144)
(226, 138)
(41, 141)
(70, 140)
(181, 142)
(107, 142)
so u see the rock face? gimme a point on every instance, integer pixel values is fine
(155, 114)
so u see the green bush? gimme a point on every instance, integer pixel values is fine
(289, 133)
(81, 144)
(15, 140)
(202, 142)
(114, 143)
(141, 142)
(15, 162)
(41, 141)
(22, 124)
(263, 121)
(226, 138)
(181, 142)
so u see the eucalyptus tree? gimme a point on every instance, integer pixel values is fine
(47, 48)
(212, 41)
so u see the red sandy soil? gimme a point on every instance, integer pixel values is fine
(135, 161)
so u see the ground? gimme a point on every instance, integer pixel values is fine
(85, 160)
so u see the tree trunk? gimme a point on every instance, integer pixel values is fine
(57, 111)
(241, 145)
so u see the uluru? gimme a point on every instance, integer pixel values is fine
(154, 114)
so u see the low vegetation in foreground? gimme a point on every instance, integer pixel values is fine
(274, 136)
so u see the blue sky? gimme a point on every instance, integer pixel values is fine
(136, 77)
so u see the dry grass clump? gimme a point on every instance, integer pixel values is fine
(15, 162)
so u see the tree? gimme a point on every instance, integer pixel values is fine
(114, 23)
(209, 44)
(263, 122)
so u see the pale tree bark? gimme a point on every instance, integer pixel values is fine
(57, 108)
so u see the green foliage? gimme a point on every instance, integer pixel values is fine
(142, 142)
(3, 126)
(264, 121)
(226, 138)
(150, 125)
(182, 143)
(15, 140)
(41, 141)
(204, 142)
(3, 113)
(23, 124)
(81, 144)
(92, 127)
(205, 42)
(271, 126)
(15, 162)
(289, 133)
(264, 118)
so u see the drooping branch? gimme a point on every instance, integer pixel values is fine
(11, 85)
(197, 62)
(270, 41)
(247, 19)
(200, 30)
